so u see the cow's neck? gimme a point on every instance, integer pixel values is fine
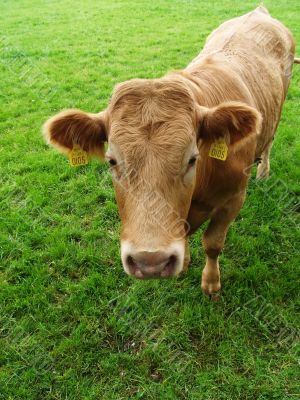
(214, 82)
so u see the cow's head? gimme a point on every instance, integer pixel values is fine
(154, 129)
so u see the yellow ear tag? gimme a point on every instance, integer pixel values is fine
(78, 156)
(219, 150)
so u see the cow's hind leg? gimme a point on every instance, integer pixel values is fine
(213, 243)
(263, 168)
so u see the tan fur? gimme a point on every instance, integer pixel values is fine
(71, 127)
(235, 89)
(235, 117)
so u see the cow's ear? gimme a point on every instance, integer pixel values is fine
(234, 118)
(71, 127)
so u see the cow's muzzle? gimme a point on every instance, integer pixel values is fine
(152, 264)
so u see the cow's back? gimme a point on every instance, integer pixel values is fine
(259, 50)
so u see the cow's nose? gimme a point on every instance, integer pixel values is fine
(146, 264)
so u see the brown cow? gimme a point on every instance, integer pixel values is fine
(181, 147)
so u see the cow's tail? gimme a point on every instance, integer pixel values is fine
(296, 60)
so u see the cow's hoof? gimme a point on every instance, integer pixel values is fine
(211, 289)
(185, 267)
(215, 296)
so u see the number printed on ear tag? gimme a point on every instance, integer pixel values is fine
(78, 156)
(218, 150)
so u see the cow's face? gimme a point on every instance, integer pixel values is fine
(152, 149)
(154, 129)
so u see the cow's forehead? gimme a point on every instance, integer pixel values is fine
(151, 116)
(151, 101)
(174, 134)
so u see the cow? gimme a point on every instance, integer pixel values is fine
(181, 147)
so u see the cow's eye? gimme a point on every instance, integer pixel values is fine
(192, 161)
(112, 162)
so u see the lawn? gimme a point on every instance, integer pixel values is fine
(72, 324)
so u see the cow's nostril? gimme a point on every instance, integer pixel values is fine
(169, 267)
(130, 261)
(172, 259)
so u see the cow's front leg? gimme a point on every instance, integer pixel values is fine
(187, 256)
(213, 243)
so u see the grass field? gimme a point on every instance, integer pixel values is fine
(72, 324)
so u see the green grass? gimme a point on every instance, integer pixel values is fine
(72, 324)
